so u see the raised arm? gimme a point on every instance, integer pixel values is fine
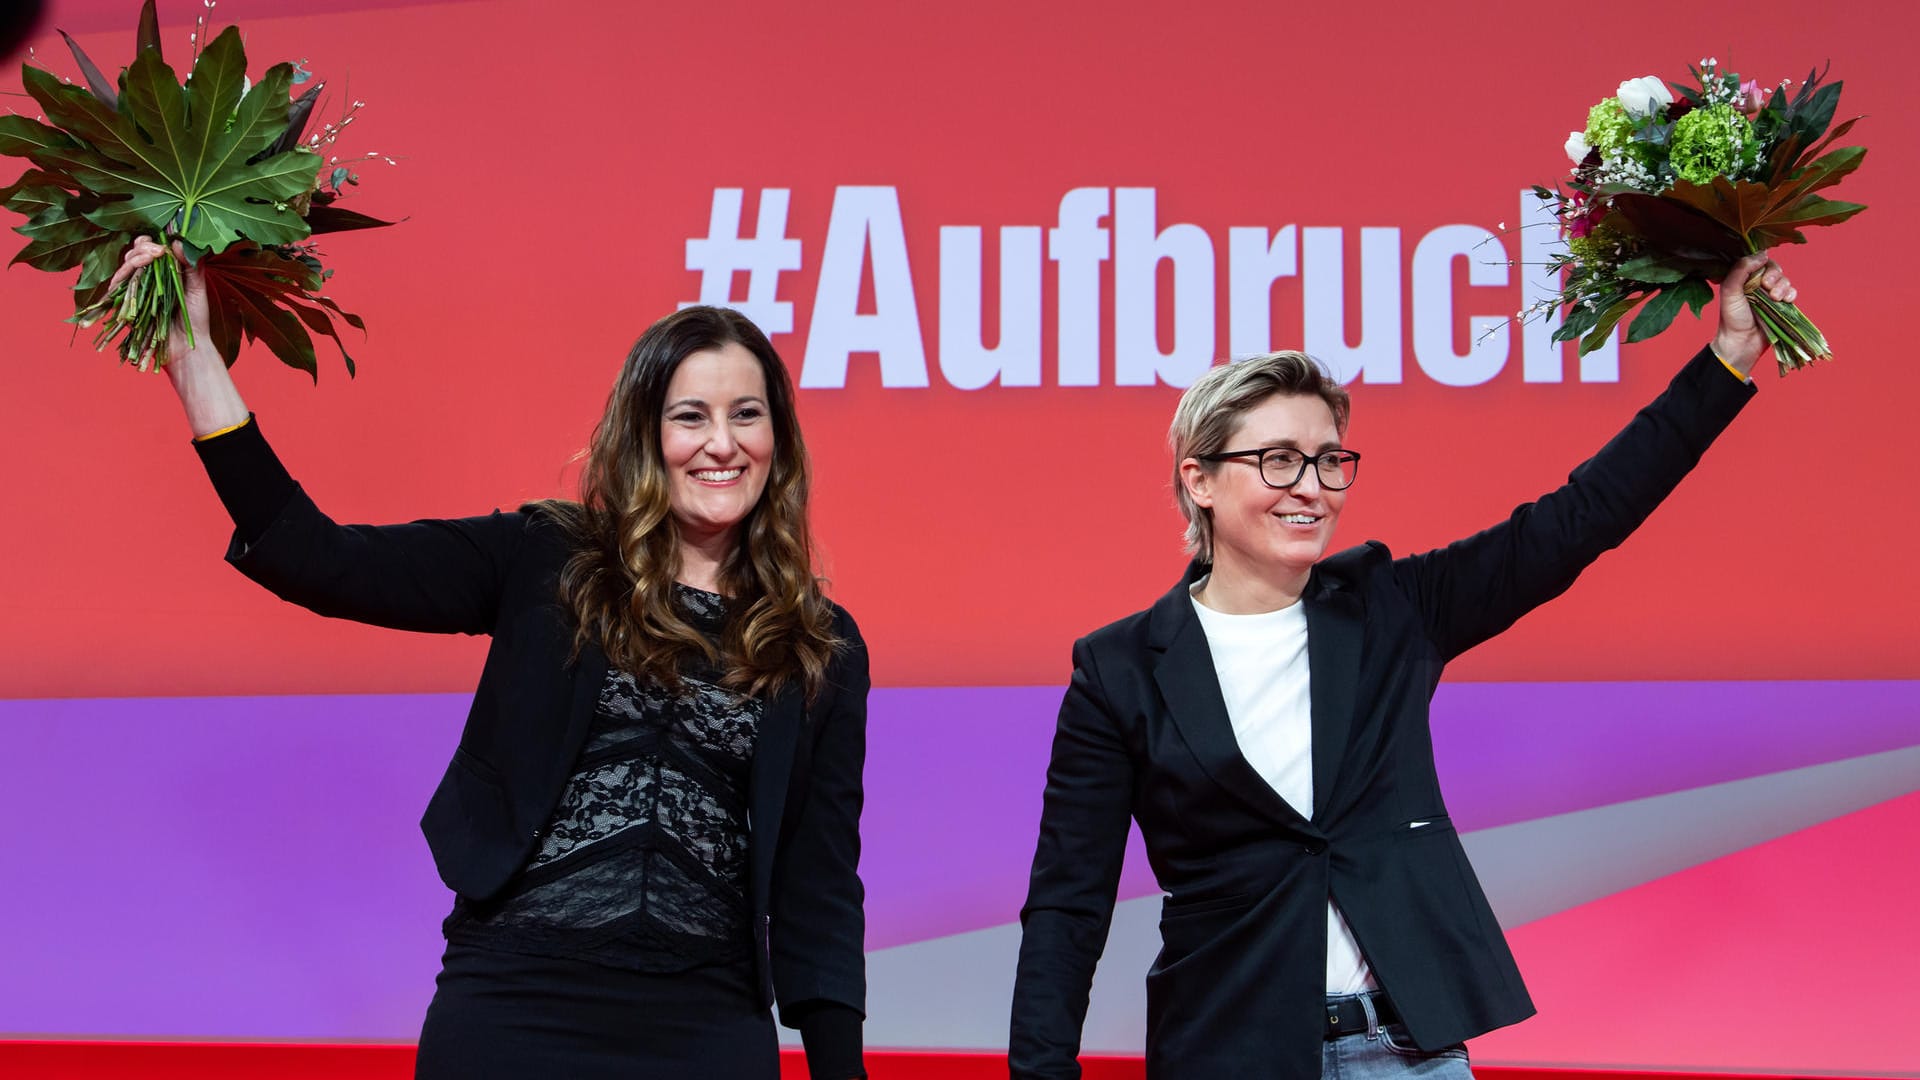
(1475, 588)
(434, 576)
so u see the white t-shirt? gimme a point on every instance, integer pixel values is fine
(1261, 662)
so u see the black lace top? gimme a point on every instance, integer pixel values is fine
(644, 863)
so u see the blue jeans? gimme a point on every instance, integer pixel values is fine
(1385, 1052)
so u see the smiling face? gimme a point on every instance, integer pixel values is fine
(716, 440)
(1269, 534)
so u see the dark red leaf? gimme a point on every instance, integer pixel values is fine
(265, 294)
(1671, 226)
(96, 81)
(148, 35)
(353, 320)
(277, 328)
(1839, 129)
(319, 323)
(223, 319)
(330, 219)
(297, 115)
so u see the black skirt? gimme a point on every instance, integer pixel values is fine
(506, 1015)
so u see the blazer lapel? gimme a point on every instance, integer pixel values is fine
(1184, 672)
(1334, 620)
(768, 778)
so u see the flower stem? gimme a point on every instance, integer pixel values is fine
(1796, 341)
(140, 312)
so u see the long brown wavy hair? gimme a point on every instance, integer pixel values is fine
(619, 581)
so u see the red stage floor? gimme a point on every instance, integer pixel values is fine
(43, 1060)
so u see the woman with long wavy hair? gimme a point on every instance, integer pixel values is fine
(651, 821)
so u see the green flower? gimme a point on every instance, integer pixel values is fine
(1609, 127)
(1712, 141)
(1592, 248)
(1599, 252)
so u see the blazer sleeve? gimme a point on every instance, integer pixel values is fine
(1076, 875)
(435, 576)
(1475, 588)
(819, 906)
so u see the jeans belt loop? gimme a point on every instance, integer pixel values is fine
(1373, 1018)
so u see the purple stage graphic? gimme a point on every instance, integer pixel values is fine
(250, 867)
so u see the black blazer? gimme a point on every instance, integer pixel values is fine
(1143, 733)
(497, 575)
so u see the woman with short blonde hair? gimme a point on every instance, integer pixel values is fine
(1265, 724)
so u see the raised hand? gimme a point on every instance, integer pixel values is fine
(197, 372)
(144, 252)
(1740, 341)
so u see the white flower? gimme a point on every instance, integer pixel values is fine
(1644, 96)
(1577, 148)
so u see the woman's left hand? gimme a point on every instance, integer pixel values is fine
(1740, 342)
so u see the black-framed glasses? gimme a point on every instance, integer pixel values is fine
(1283, 466)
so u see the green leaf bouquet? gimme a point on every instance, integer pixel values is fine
(220, 167)
(1670, 189)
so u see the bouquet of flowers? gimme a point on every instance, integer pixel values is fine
(1669, 191)
(218, 165)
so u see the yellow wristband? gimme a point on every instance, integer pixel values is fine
(1716, 356)
(244, 423)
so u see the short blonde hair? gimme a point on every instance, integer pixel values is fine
(1210, 411)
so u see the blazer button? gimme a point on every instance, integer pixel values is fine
(1313, 847)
